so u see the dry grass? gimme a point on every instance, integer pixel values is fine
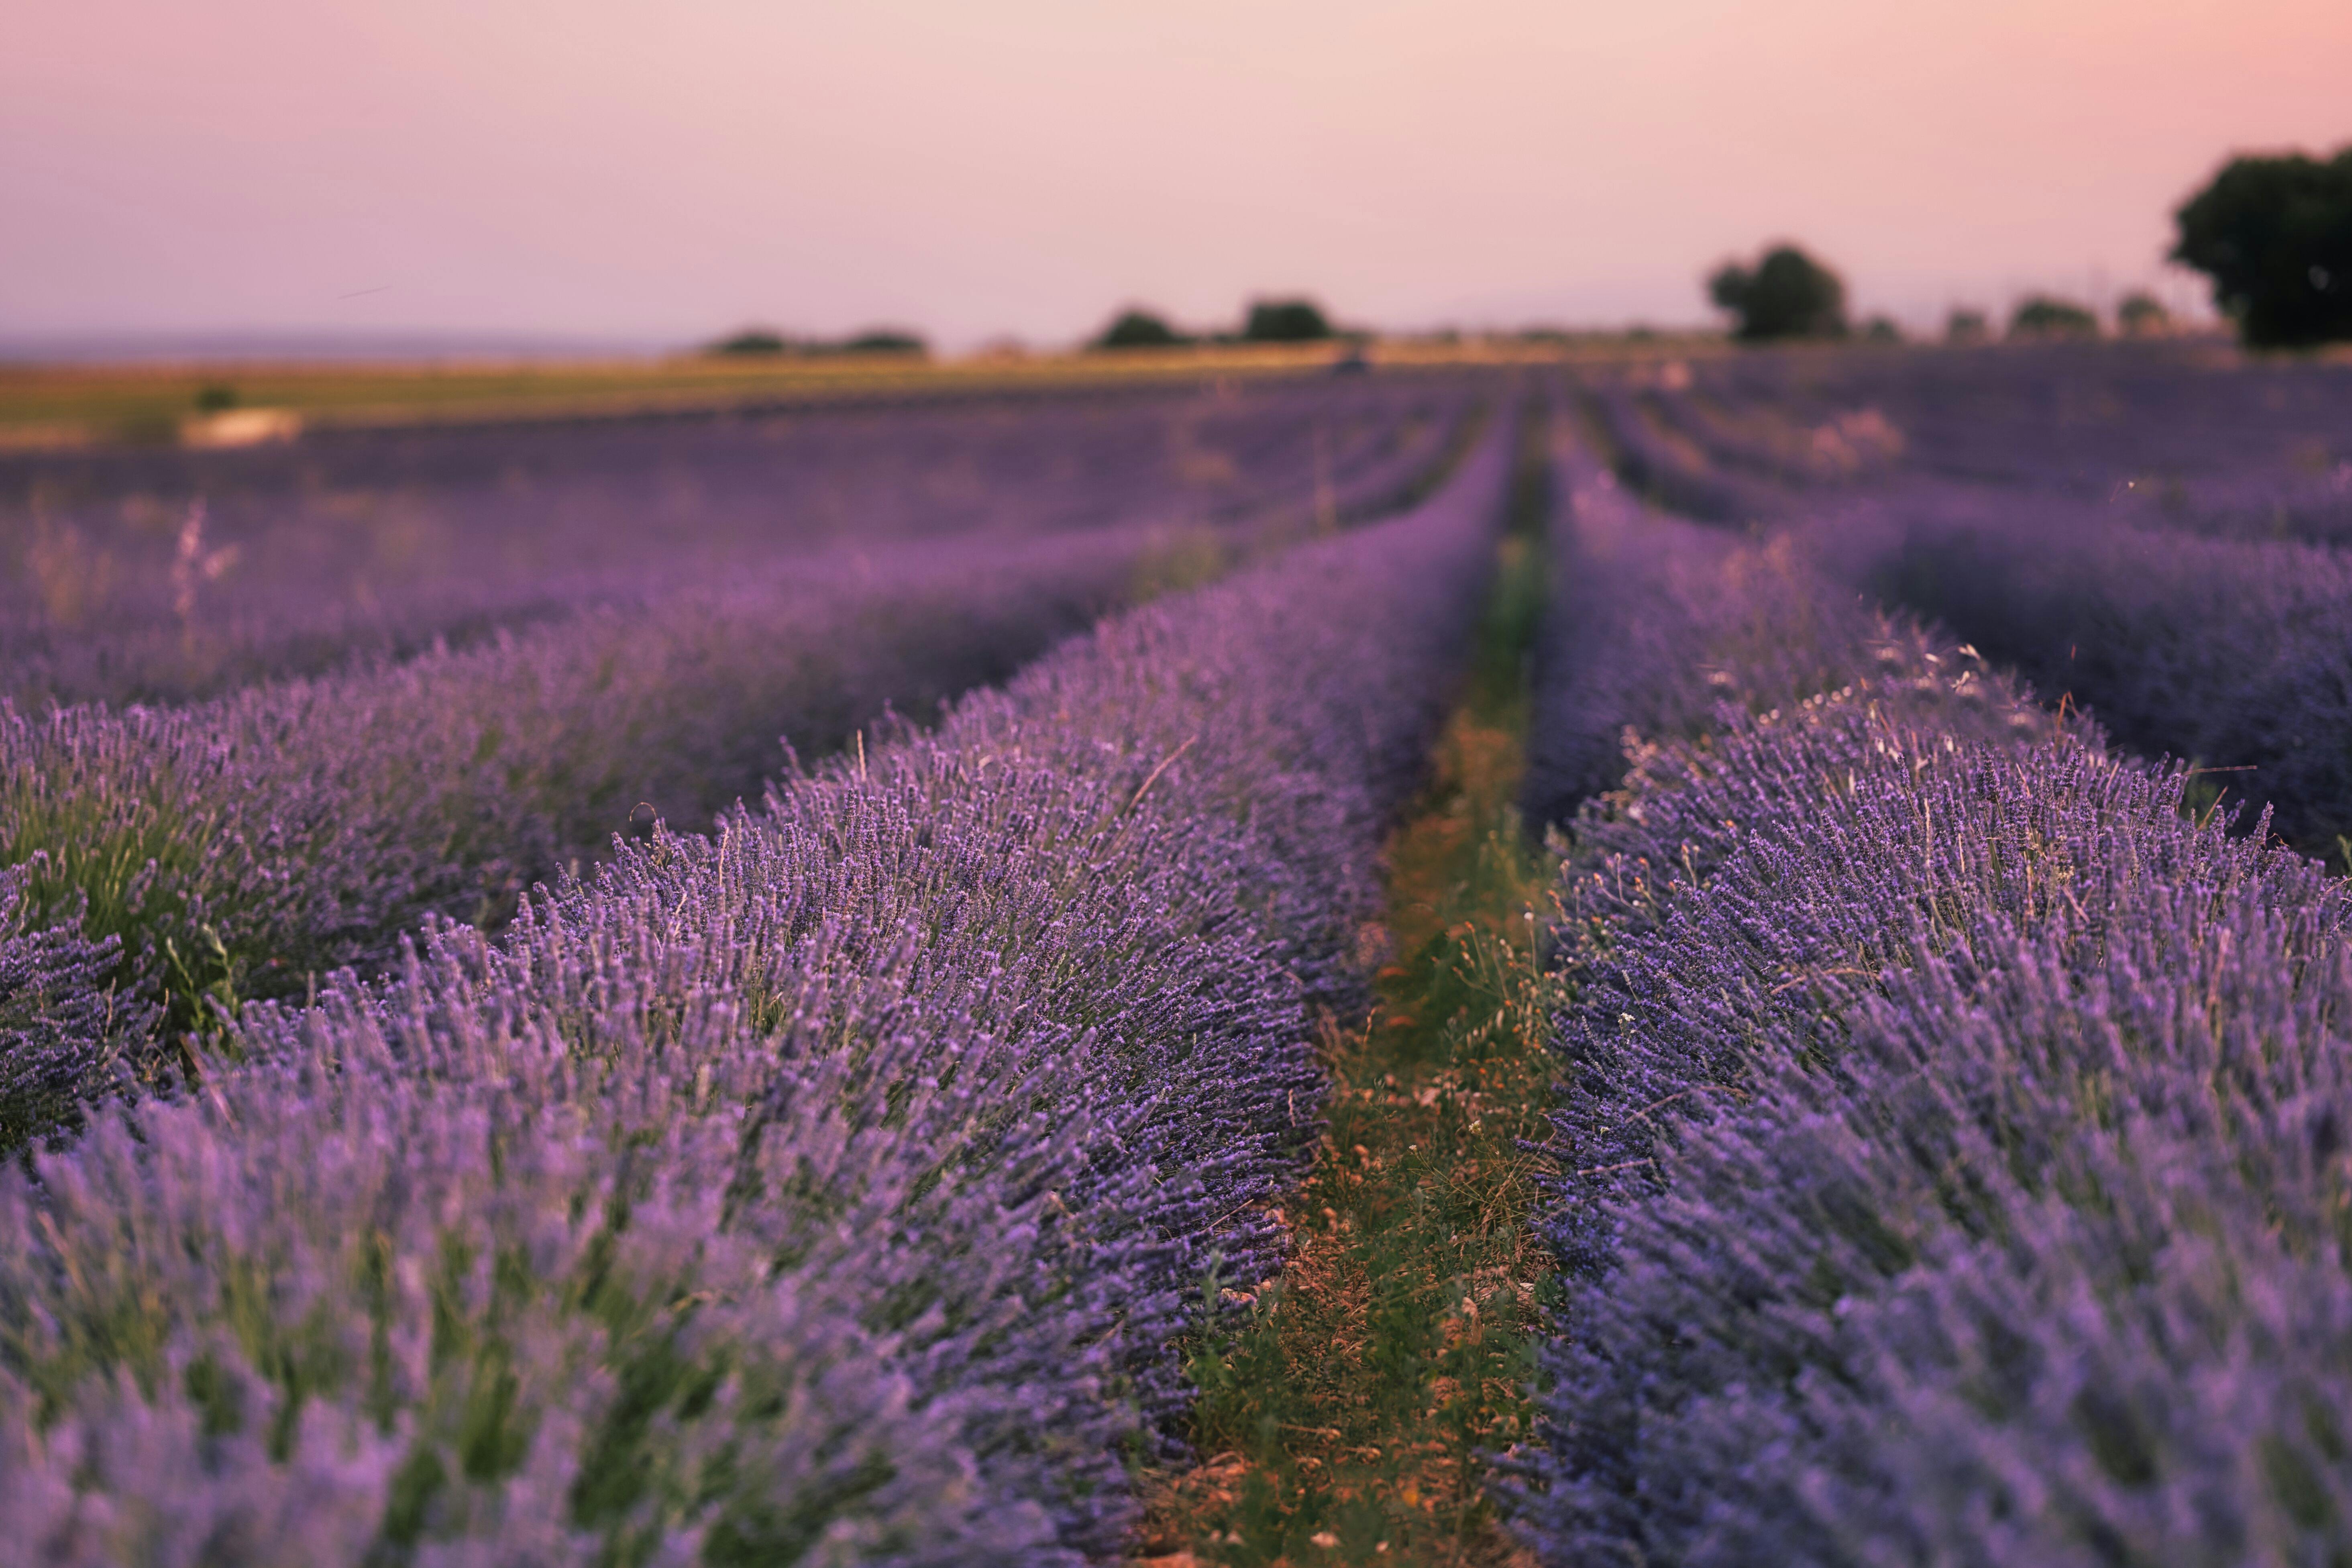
(65, 405)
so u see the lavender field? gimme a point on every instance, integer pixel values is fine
(1735, 959)
(240, 846)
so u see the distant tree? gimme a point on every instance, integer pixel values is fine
(2275, 236)
(2041, 317)
(216, 399)
(752, 341)
(1964, 327)
(2142, 315)
(1881, 330)
(1139, 329)
(1285, 322)
(760, 341)
(1787, 294)
(885, 340)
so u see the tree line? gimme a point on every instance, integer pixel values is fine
(1290, 321)
(2273, 234)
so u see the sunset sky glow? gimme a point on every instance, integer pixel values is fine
(630, 171)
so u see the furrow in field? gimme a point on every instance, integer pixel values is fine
(1346, 1411)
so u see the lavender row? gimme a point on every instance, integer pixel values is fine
(1951, 1152)
(237, 849)
(2229, 652)
(2225, 650)
(1655, 623)
(1661, 463)
(1780, 444)
(2188, 436)
(827, 1190)
(166, 576)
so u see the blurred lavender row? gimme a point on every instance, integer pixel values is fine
(1655, 622)
(2018, 497)
(1951, 1157)
(238, 849)
(826, 1190)
(159, 575)
(2186, 436)
(1660, 463)
(2235, 654)
(2181, 433)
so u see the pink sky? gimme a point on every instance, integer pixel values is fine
(668, 171)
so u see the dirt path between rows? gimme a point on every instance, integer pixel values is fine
(1346, 1414)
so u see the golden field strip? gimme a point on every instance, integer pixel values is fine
(67, 406)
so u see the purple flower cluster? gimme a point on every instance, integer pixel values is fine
(2183, 435)
(824, 1190)
(1955, 1172)
(1780, 442)
(63, 1022)
(1951, 1161)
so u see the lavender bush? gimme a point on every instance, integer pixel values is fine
(2182, 434)
(826, 1189)
(1952, 1162)
(1779, 443)
(64, 1022)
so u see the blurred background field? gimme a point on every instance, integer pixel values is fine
(50, 405)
